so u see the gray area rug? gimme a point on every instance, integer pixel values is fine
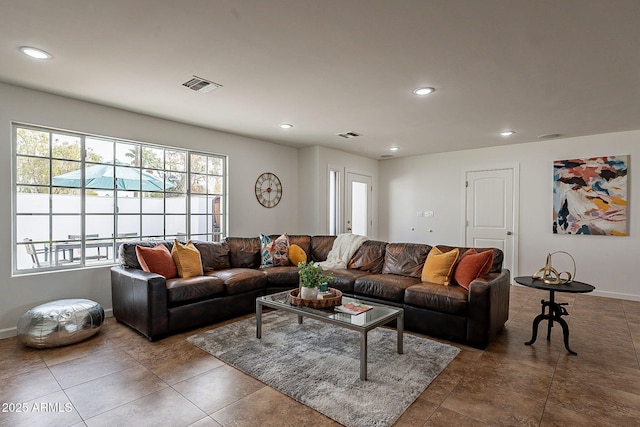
(318, 365)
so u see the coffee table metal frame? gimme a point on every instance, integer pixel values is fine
(379, 315)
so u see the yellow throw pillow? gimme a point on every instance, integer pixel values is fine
(438, 267)
(297, 254)
(187, 259)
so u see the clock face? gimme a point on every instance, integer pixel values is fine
(268, 190)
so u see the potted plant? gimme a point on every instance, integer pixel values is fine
(311, 278)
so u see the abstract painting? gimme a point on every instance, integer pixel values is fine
(590, 196)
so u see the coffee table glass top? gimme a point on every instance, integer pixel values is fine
(377, 314)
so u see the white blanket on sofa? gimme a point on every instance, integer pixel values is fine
(342, 250)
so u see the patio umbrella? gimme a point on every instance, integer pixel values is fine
(101, 177)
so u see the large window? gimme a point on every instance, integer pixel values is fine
(77, 197)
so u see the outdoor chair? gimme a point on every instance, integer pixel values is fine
(33, 252)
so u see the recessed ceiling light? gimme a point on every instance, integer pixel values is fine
(394, 148)
(422, 91)
(507, 133)
(35, 53)
(286, 125)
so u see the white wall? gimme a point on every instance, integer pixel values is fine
(435, 182)
(247, 159)
(313, 164)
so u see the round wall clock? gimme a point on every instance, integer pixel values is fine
(268, 190)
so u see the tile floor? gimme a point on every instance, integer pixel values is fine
(119, 378)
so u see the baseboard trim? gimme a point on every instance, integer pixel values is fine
(616, 295)
(12, 332)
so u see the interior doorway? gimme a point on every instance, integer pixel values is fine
(358, 204)
(491, 212)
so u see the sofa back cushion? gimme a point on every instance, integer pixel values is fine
(369, 257)
(244, 252)
(320, 247)
(214, 255)
(127, 251)
(405, 259)
(498, 256)
(303, 241)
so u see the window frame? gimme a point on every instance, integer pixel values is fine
(214, 213)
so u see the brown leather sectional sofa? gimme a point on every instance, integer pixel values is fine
(389, 273)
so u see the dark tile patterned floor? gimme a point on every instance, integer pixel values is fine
(119, 378)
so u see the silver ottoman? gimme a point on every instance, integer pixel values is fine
(59, 323)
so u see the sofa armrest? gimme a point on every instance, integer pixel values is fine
(488, 307)
(140, 300)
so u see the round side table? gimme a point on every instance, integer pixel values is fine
(556, 310)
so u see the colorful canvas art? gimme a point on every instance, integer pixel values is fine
(590, 196)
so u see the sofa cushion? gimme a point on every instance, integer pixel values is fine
(214, 255)
(438, 268)
(498, 256)
(406, 259)
(302, 240)
(157, 260)
(244, 252)
(297, 254)
(240, 280)
(127, 252)
(390, 287)
(187, 259)
(284, 275)
(369, 257)
(320, 247)
(182, 290)
(471, 266)
(344, 279)
(451, 299)
(274, 252)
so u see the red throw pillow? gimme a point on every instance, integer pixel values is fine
(472, 265)
(157, 260)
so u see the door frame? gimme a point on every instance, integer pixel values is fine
(515, 167)
(370, 204)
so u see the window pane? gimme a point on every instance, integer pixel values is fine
(65, 147)
(199, 205)
(198, 163)
(32, 142)
(99, 226)
(95, 203)
(69, 202)
(153, 225)
(198, 184)
(199, 224)
(152, 158)
(127, 154)
(176, 203)
(34, 227)
(176, 224)
(128, 202)
(66, 174)
(98, 150)
(216, 166)
(153, 204)
(176, 160)
(128, 225)
(179, 181)
(65, 226)
(32, 200)
(214, 185)
(32, 170)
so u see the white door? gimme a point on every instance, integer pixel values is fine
(358, 204)
(491, 213)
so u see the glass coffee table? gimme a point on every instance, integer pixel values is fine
(379, 315)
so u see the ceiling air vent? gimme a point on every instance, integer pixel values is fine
(349, 134)
(201, 85)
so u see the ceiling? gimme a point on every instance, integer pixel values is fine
(570, 67)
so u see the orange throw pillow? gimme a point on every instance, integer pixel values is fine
(472, 265)
(157, 260)
(438, 267)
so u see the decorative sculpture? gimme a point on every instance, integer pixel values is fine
(550, 275)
